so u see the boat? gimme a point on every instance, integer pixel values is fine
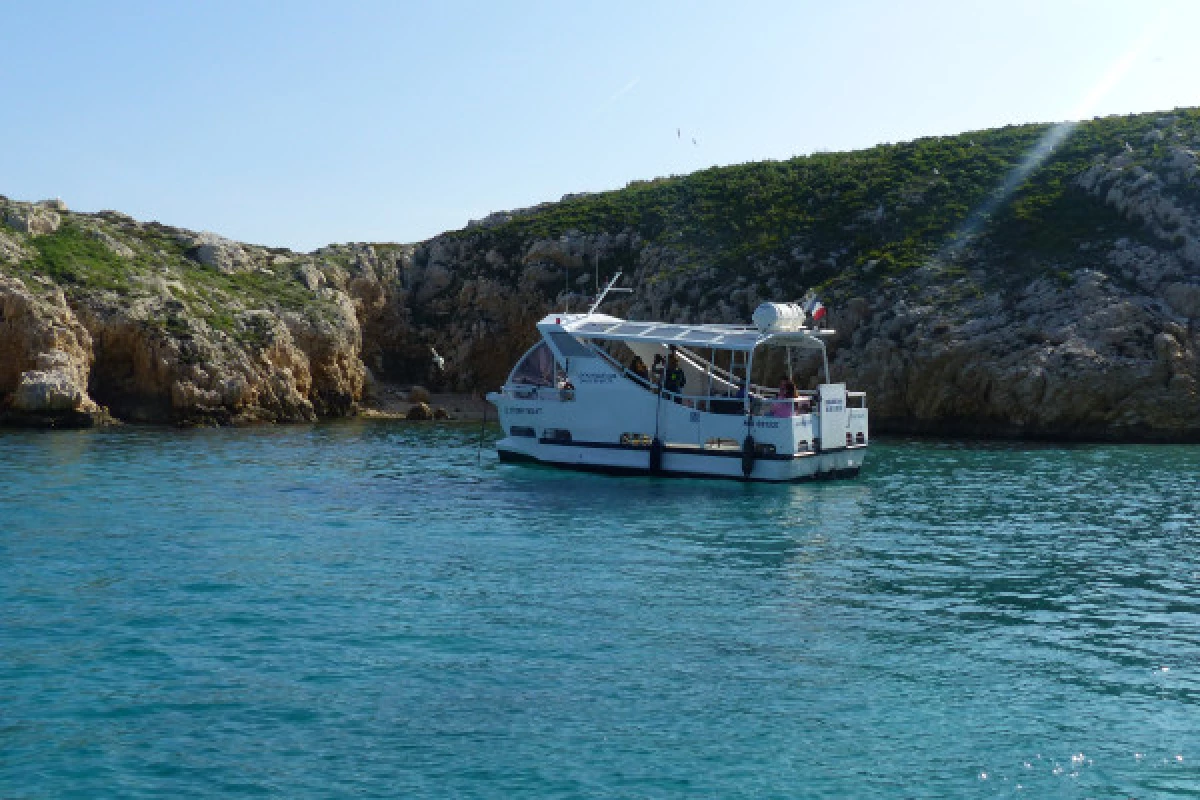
(582, 397)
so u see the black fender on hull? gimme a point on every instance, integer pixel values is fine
(656, 456)
(748, 456)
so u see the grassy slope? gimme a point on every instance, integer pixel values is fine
(808, 221)
(741, 217)
(79, 262)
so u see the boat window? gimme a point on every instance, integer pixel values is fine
(618, 351)
(536, 368)
(521, 430)
(568, 346)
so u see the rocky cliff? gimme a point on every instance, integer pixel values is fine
(158, 324)
(1028, 281)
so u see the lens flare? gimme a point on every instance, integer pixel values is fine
(1048, 143)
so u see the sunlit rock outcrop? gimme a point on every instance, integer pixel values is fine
(970, 294)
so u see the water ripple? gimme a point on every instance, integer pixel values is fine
(373, 609)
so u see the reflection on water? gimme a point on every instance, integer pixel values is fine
(373, 608)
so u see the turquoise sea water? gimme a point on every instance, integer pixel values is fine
(360, 609)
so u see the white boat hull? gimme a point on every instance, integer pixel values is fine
(684, 461)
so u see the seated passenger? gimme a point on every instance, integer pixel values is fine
(656, 371)
(785, 405)
(639, 368)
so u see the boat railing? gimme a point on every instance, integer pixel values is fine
(765, 403)
(708, 367)
(700, 402)
(691, 357)
(804, 402)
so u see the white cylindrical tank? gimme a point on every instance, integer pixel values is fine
(779, 317)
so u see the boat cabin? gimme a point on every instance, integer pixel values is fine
(597, 391)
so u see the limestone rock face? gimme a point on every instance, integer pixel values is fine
(206, 377)
(52, 391)
(224, 255)
(45, 354)
(34, 220)
(1097, 337)
(11, 251)
(1116, 371)
(332, 346)
(158, 344)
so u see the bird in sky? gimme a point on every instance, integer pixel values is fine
(694, 141)
(679, 133)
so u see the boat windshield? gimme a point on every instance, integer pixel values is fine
(536, 368)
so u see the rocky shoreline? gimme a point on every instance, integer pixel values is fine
(1071, 315)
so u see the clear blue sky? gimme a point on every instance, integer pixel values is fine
(303, 123)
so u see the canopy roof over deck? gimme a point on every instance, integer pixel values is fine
(722, 337)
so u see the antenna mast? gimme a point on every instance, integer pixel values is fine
(607, 289)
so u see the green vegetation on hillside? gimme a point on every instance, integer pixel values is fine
(76, 258)
(71, 257)
(836, 221)
(892, 206)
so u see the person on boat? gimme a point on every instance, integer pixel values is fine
(785, 404)
(675, 380)
(639, 368)
(656, 371)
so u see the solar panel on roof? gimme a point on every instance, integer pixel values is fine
(594, 327)
(738, 337)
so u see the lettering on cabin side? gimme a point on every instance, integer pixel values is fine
(521, 410)
(597, 377)
(834, 406)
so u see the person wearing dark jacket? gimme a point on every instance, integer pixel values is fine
(674, 380)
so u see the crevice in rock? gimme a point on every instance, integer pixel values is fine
(118, 378)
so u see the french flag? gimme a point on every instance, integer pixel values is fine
(815, 309)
